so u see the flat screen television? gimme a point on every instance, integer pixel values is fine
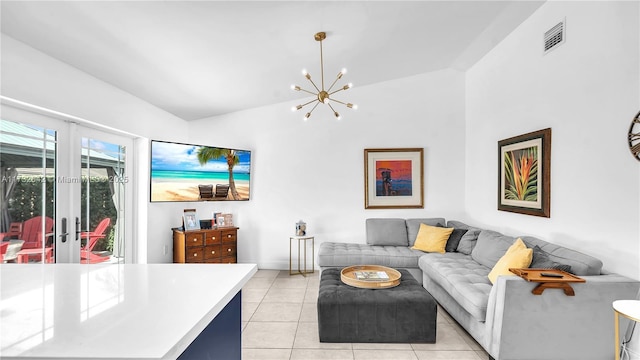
(186, 172)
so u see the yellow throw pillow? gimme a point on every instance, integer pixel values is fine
(432, 238)
(517, 256)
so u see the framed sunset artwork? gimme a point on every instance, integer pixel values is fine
(524, 184)
(393, 178)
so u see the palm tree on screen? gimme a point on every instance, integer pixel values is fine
(206, 153)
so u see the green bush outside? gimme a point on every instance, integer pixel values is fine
(26, 202)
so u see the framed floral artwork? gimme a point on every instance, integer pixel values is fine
(393, 178)
(524, 184)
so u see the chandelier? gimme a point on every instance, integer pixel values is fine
(322, 95)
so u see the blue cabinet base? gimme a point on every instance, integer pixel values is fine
(222, 338)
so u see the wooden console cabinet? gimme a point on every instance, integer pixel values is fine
(206, 246)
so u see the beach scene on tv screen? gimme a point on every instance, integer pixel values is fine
(183, 172)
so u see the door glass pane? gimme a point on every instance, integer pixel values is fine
(27, 192)
(102, 208)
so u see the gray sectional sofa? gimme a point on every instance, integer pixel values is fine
(505, 318)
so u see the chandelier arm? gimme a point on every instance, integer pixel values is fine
(338, 101)
(314, 107)
(305, 104)
(307, 91)
(333, 84)
(312, 83)
(331, 93)
(335, 113)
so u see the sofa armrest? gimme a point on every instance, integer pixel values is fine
(521, 325)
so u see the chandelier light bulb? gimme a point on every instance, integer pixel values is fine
(305, 72)
(343, 71)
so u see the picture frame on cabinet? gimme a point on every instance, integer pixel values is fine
(190, 220)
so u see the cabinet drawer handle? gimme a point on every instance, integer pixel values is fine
(213, 238)
(213, 251)
(228, 236)
(229, 250)
(195, 255)
(195, 239)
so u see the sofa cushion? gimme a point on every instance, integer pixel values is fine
(413, 226)
(491, 246)
(517, 256)
(469, 239)
(463, 278)
(392, 232)
(432, 238)
(332, 254)
(581, 264)
(454, 240)
(541, 260)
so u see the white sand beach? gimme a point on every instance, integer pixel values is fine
(188, 191)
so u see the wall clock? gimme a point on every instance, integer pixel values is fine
(634, 137)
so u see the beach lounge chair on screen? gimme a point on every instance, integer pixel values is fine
(206, 191)
(222, 191)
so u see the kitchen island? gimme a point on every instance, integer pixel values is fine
(131, 311)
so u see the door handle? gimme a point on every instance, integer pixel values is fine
(64, 234)
(78, 230)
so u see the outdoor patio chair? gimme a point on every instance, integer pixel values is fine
(222, 191)
(206, 191)
(92, 238)
(15, 228)
(32, 231)
(13, 249)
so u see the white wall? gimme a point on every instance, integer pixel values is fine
(314, 170)
(587, 90)
(33, 77)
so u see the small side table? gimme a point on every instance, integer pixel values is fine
(302, 239)
(629, 309)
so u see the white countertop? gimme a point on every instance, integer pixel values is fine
(133, 311)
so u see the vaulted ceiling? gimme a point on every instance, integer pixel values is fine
(197, 59)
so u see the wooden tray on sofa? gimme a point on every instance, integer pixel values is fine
(561, 281)
(348, 276)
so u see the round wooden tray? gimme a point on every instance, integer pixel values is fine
(348, 277)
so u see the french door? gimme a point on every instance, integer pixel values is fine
(65, 190)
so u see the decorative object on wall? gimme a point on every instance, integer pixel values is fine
(634, 137)
(393, 178)
(524, 173)
(301, 228)
(186, 172)
(190, 220)
(322, 95)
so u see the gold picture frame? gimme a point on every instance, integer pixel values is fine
(394, 178)
(524, 174)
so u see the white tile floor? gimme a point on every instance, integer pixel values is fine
(279, 321)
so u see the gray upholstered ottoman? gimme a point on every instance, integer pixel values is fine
(402, 314)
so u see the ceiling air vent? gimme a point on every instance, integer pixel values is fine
(554, 36)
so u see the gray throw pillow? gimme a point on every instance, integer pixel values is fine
(541, 260)
(468, 241)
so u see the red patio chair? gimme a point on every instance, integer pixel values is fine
(32, 231)
(15, 228)
(92, 238)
